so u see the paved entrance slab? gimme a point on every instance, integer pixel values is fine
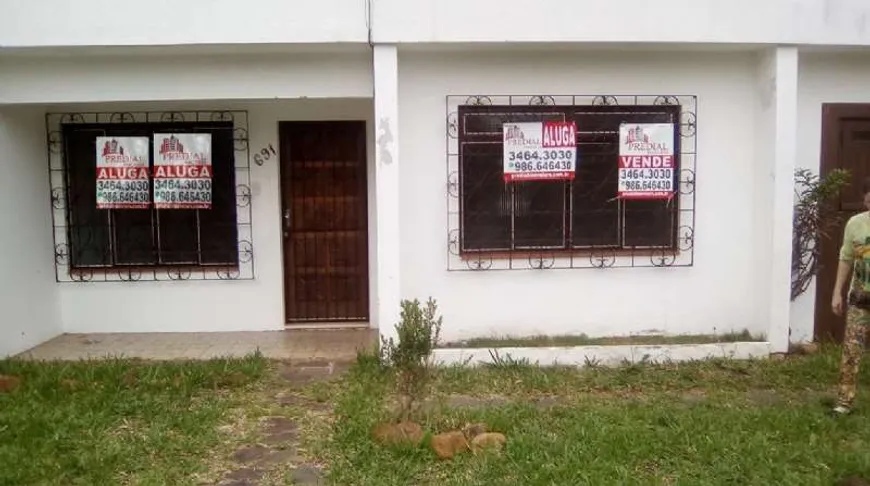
(325, 344)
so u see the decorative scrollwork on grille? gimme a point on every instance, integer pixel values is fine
(61, 254)
(129, 275)
(453, 125)
(178, 273)
(666, 100)
(58, 198)
(240, 139)
(243, 195)
(479, 261)
(542, 261)
(222, 116)
(478, 100)
(542, 100)
(663, 258)
(122, 117)
(172, 117)
(453, 184)
(55, 142)
(604, 101)
(602, 257)
(687, 124)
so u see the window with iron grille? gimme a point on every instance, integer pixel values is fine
(495, 216)
(119, 238)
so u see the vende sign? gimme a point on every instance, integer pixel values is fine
(647, 168)
(122, 173)
(539, 151)
(182, 170)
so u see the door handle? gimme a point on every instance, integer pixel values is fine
(287, 220)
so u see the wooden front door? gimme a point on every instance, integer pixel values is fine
(845, 145)
(324, 221)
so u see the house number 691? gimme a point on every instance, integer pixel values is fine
(264, 154)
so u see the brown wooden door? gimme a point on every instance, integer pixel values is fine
(324, 221)
(845, 145)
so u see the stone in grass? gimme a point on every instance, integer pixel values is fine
(306, 474)
(9, 383)
(488, 441)
(472, 437)
(279, 430)
(244, 474)
(448, 445)
(391, 434)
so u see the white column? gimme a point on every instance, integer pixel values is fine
(781, 66)
(388, 293)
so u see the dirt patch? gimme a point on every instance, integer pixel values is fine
(280, 430)
(276, 453)
(301, 402)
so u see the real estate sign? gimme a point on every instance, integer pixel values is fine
(646, 161)
(539, 151)
(122, 173)
(182, 171)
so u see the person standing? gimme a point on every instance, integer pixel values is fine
(854, 262)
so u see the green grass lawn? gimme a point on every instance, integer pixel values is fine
(710, 423)
(118, 421)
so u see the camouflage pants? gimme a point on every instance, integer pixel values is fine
(853, 348)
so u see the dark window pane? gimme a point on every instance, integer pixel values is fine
(649, 223)
(539, 209)
(539, 214)
(147, 237)
(89, 235)
(595, 210)
(178, 236)
(133, 237)
(218, 232)
(486, 199)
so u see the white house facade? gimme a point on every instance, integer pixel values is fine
(352, 153)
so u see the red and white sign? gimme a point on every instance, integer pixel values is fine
(647, 168)
(182, 170)
(122, 173)
(540, 151)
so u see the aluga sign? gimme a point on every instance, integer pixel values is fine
(539, 151)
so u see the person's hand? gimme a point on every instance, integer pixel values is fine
(837, 304)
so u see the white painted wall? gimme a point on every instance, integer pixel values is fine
(718, 293)
(84, 79)
(213, 305)
(824, 78)
(27, 23)
(168, 22)
(29, 310)
(696, 21)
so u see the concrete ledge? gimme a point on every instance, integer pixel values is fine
(603, 355)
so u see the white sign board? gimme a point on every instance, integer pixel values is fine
(182, 170)
(539, 151)
(122, 173)
(647, 169)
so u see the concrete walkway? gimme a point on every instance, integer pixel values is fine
(303, 345)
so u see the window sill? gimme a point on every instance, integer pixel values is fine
(472, 255)
(136, 273)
